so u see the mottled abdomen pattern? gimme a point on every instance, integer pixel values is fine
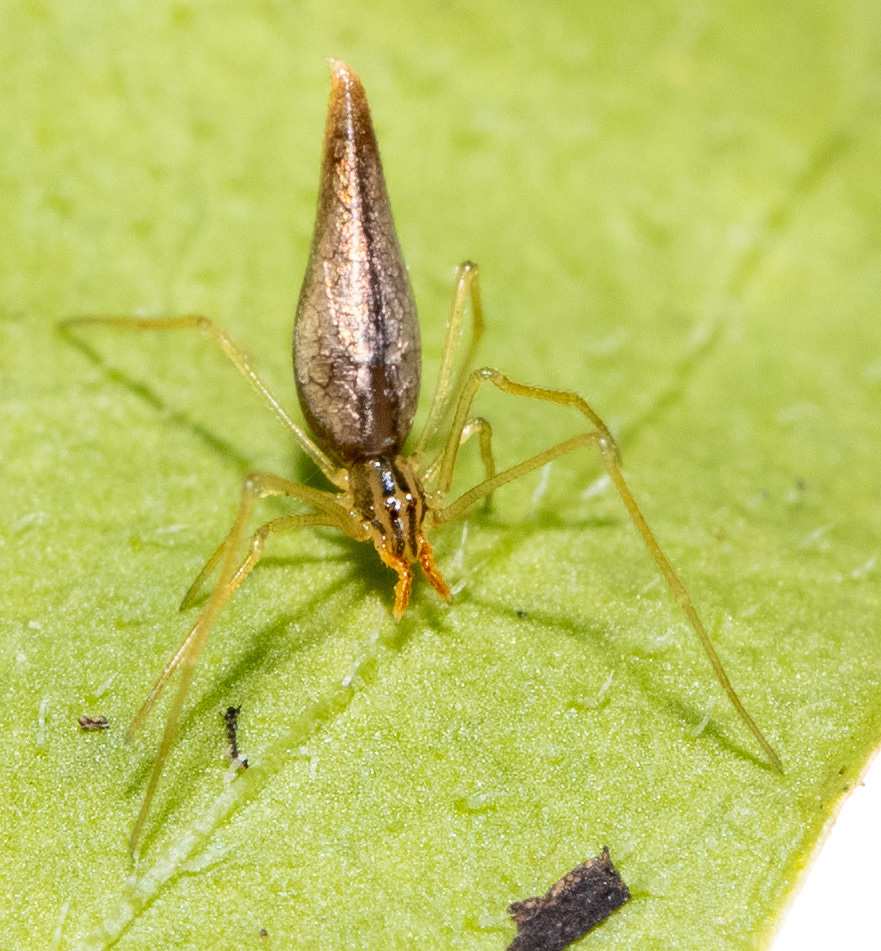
(356, 339)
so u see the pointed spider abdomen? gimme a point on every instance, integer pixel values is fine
(356, 340)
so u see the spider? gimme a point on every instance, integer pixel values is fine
(356, 355)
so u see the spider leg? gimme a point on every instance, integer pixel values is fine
(256, 485)
(477, 424)
(600, 437)
(239, 359)
(481, 426)
(188, 654)
(260, 485)
(467, 285)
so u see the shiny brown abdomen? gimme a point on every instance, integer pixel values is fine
(356, 339)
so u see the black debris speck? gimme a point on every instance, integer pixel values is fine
(231, 718)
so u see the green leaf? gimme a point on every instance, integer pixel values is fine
(675, 207)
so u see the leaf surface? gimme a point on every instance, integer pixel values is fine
(675, 207)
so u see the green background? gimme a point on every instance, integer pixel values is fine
(677, 212)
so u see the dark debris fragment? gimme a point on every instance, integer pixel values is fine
(234, 754)
(577, 903)
(89, 724)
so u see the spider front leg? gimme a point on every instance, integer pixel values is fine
(261, 485)
(480, 426)
(467, 288)
(600, 437)
(257, 485)
(446, 392)
(239, 359)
